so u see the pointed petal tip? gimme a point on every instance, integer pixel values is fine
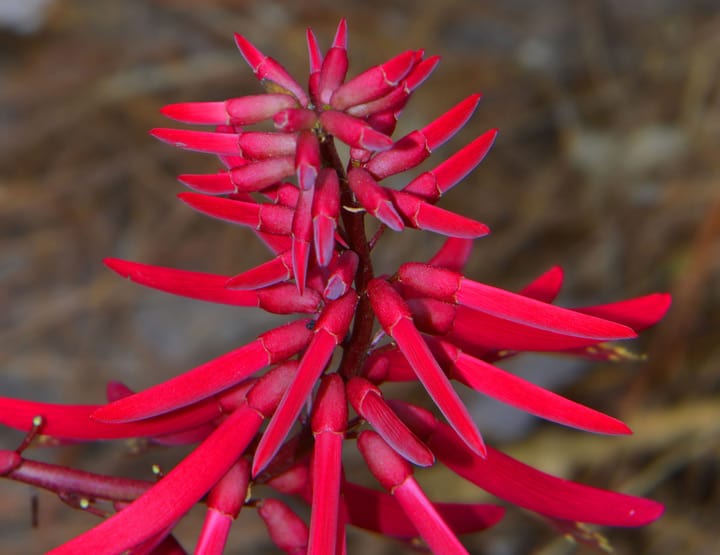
(340, 40)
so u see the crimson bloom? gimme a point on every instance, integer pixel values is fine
(300, 380)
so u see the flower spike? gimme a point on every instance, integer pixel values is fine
(284, 175)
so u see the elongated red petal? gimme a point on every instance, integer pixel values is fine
(368, 402)
(374, 82)
(517, 392)
(329, 331)
(420, 214)
(638, 313)
(329, 421)
(334, 66)
(302, 237)
(453, 254)
(209, 378)
(545, 287)
(174, 494)
(200, 141)
(268, 218)
(394, 317)
(271, 272)
(74, 422)
(279, 299)
(285, 528)
(271, 74)
(443, 177)
(378, 511)
(325, 213)
(225, 500)
(211, 184)
(354, 131)
(522, 485)
(415, 147)
(450, 286)
(392, 103)
(375, 199)
(396, 476)
(342, 273)
(240, 111)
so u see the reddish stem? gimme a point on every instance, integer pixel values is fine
(355, 350)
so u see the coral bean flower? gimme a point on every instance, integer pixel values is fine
(354, 332)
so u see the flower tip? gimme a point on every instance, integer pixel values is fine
(118, 266)
(251, 54)
(340, 40)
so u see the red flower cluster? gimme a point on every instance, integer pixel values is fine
(437, 324)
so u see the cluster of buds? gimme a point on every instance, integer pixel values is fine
(279, 410)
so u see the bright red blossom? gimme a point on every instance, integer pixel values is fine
(434, 325)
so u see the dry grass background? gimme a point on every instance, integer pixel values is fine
(607, 163)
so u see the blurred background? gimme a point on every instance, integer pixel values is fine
(607, 164)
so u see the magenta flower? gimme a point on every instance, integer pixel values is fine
(436, 326)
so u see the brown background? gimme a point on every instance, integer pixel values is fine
(606, 163)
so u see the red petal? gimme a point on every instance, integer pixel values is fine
(268, 218)
(546, 287)
(301, 237)
(354, 131)
(374, 82)
(378, 511)
(170, 498)
(74, 422)
(206, 113)
(200, 141)
(450, 286)
(525, 486)
(286, 529)
(273, 76)
(325, 212)
(396, 476)
(269, 273)
(368, 402)
(334, 66)
(329, 331)
(453, 254)
(638, 313)
(209, 378)
(394, 317)
(522, 394)
(279, 299)
(375, 199)
(434, 183)
(329, 421)
(423, 215)
(443, 128)
(225, 500)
